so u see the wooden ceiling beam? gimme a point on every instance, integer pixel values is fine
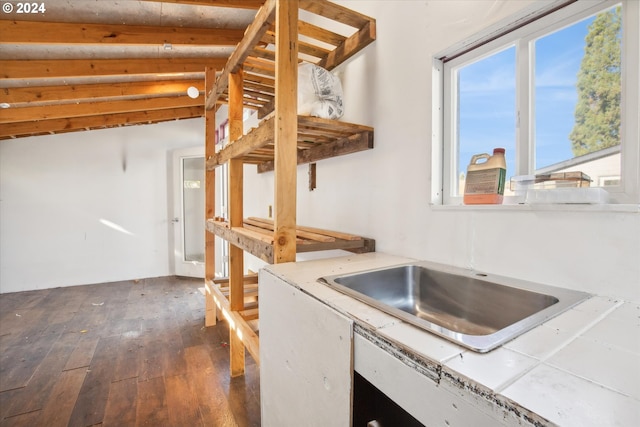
(63, 33)
(100, 93)
(83, 109)
(30, 94)
(239, 4)
(44, 68)
(9, 130)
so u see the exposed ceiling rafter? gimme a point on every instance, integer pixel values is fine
(71, 33)
(78, 67)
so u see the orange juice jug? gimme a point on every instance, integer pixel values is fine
(485, 180)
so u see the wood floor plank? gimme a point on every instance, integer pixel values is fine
(192, 336)
(20, 325)
(243, 393)
(28, 419)
(173, 357)
(67, 305)
(151, 409)
(122, 402)
(94, 316)
(57, 410)
(151, 355)
(212, 400)
(92, 399)
(19, 328)
(20, 361)
(10, 301)
(23, 300)
(83, 353)
(38, 388)
(182, 402)
(117, 325)
(127, 355)
(244, 404)
(6, 399)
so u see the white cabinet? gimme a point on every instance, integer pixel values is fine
(305, 358)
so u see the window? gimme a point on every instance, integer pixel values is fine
(559, 93)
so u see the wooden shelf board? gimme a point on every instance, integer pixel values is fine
(250, 314)
(318, 139)
(338, 147)
(249, 279)
(256, 237)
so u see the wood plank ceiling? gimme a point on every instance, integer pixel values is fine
(89, 64)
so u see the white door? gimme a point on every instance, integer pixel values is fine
(188, 211)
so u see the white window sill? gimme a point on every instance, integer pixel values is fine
(558, 207)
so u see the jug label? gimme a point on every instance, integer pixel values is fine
(488, 181)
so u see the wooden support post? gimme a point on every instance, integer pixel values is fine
(236, 265)
(286, 130)
(210, 310)
(210, 199)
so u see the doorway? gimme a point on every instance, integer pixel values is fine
(188, 212)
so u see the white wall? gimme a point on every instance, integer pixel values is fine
(59, 195)
(384, 193)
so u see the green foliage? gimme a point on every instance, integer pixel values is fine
(597, 114)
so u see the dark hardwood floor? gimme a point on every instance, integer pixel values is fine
(119, 354)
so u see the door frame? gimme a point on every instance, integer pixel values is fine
(182, 267)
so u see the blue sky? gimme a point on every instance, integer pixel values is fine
(487, 99)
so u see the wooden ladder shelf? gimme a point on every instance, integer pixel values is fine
(261, 74)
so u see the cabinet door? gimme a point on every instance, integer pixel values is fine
(305, 358)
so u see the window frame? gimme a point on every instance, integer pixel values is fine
(511, 32)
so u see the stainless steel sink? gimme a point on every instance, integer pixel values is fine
(470, 309)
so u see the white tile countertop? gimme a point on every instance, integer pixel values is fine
(581, 368)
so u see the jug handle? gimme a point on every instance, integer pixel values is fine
(477, 157)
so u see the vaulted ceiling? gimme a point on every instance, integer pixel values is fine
(71, 65)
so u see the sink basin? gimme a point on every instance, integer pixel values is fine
(469, 309)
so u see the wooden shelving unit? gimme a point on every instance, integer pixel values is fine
(261, 74)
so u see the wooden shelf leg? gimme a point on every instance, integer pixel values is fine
(210, 200)
(236, 265)
(286, 130)
(210, 310)
(236, 349)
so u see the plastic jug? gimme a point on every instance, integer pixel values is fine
(485, 181)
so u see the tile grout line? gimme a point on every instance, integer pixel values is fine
(594, 383)
(450, 358)
(542, 360)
